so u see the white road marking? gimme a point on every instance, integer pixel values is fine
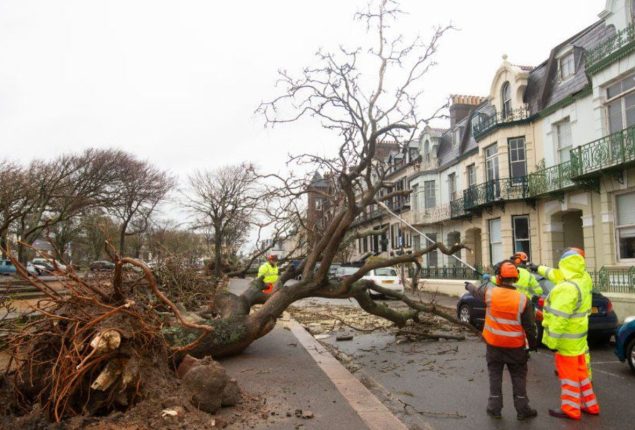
(608, 373)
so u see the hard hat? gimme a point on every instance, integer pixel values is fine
(272, 257)
(573, 251)
(506, 271)
(519, 258)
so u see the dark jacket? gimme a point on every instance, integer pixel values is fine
(527, 318)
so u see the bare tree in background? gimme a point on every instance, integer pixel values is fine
(226, 201)
(138, 189)
(366, 96)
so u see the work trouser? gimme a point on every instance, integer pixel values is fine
(516, 361)
(576, 390)
(269, 288)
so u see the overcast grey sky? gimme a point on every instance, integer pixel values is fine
(177, 82)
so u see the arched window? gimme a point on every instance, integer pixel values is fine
(506, 96)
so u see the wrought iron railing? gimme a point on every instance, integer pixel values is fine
(457, 208)
(610, 151)
(367, 216)
(615, 279)
(495, 190)
(459, 272)
(549, 180)
(487, 123)
(433, 215)
(599, 55)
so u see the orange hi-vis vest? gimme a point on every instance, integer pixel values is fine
(502, 318)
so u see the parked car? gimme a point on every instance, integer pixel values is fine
(386, 277)
(7, 268)
(625, 342)
(602, 321)
(343, 272)
(101, 265)
(45, 266)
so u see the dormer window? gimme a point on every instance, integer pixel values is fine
(506, 97)
(426, 150)
(566, 66)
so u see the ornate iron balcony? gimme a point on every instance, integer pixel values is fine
(459, 272)
(614, 48)
(457, 209)
(613, 151)
(550, 180)
(500, 119)
(490, 192)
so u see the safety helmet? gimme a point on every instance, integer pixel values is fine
(573, 251)
(272, 258)
(506, 271)
(519, 258)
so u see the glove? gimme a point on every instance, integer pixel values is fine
(532, 267)
(486, 277)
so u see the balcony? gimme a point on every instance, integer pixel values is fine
(433, 215)
(550, 180)
(457, 209)
(616, 47)
(498, 190)
(368, 217)
(488, 124)
(611, 152)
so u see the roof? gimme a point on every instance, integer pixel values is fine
(545, 88)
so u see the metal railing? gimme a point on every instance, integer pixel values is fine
(433, 215)
(459, 272)
(494, 191)
(596, 56)
(614, 279)
(457, 208)
(610, 151)
(549, 180)
(486, 124)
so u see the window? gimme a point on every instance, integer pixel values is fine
(415, 197)
(517, 160)
(495, 241)
(506, 97)
(413, 154)
(625, 228)
(520, 226)
(318, 204)
(432, 257)
(621, 104)
(416, 242)
(452, 186)
(365, 244)
(471, 175)
(566, 66)
(426, 150)
(491, 169)
(430, 194)
(394, 236)
(564, 143)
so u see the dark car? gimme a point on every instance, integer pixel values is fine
(625, 342)
(101, 265)
(602, 321)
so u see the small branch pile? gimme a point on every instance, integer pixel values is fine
(95, 346)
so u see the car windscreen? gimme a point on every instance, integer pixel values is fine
(347, 270)
(385, 271)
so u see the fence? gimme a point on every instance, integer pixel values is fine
(607, 279)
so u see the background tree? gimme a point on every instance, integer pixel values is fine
(138, 189)
(225, 200)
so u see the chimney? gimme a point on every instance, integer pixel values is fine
(462, 106)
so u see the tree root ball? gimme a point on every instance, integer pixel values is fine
(207, 384)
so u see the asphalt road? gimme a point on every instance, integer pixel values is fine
(443, 384)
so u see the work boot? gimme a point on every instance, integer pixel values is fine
(494, 413)
(558, 413)
(526, 414)
(589, 412)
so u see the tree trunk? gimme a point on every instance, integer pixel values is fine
(218, 252)
(122, 238)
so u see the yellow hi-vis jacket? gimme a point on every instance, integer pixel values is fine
(567, 308)
(269, 273)
(526, 284)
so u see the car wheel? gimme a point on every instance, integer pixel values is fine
(465, 314)
(630, 354)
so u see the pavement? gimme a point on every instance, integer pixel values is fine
(292, 372)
